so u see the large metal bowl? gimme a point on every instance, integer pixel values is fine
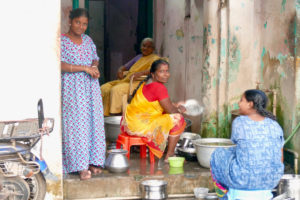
(112, 128)
(206, 146)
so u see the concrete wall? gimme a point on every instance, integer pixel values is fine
(244, 44)
(30, 69)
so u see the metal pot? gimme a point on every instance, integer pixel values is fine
(112, 128)
(117, 161)
(154, 189)
(186, 139)
(290, 184)
(205, 147)
(188, 153)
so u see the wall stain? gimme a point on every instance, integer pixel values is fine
(234, 59)
(283, 6)
(262, 63)
(54, 188)
(180, 49)
(179, 34)
(213, 41)
(265, 24)
(194, 37)
(223, 47)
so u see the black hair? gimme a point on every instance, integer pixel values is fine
(155, 65)
(260, 101)
(79, 12)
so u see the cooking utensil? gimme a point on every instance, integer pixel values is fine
(192, 107)
(205, 147)
(154, 189)
(188, 153)
(290, 184)
(186, 139)
(117, 161)
(112, 128)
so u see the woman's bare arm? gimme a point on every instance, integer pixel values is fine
(170, 108)
(93, 71)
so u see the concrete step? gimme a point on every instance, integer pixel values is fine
(127, 185)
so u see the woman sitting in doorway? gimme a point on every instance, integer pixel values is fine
(113, 91)
(151, 115)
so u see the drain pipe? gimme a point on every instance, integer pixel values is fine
(296, 156)
(292, 134)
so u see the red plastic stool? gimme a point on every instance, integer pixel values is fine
(127, 141)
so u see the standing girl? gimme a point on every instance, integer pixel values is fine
(254, 167)
(82, 112)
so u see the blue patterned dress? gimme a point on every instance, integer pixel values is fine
(82, 111)
(255, 163)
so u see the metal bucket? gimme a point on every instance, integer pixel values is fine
(112, 128)
(154, 189)
(290, 183)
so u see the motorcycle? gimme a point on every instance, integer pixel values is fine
(23, 172)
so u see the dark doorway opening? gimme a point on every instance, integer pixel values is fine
(117, 28)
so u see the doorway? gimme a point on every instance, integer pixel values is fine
(117, 28)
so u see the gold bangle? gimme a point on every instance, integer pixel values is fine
(71, 68)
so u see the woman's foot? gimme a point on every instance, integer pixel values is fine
(167, 157)
(95, 170)
(85, 174)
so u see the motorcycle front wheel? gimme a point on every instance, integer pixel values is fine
(37, 185)
(17, 186)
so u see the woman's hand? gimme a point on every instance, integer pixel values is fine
(181, 108)
(93, 71)
(120, 72)
(137, 75)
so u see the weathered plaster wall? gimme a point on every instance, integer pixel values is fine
(66, 7)
(30, 69)
(245, 44)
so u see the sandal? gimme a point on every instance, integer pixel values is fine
(95, 170)
(85, 174)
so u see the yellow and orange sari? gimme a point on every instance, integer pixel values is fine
(112, 98)
(148, 120)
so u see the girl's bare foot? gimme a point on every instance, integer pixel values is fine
(85, 174)
(94, 169)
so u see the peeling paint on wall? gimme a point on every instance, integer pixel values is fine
(265, 24)
(180, 49)
(179, 34)
(234, 59)
(281, 58)
(195, 37)
(213, 41)
(283, 6)
(223, 48)
(262, 62)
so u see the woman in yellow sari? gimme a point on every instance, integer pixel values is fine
(113, 91)
(151, 114)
